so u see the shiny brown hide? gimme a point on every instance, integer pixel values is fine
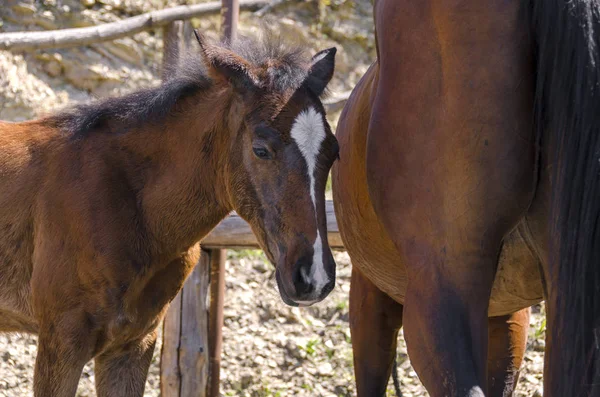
(434, 192)
(99, 225)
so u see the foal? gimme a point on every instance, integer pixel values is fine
(101, 206)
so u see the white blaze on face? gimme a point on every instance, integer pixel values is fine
(308, 132)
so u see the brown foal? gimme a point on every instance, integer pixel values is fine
(469, 189)
(102, 205)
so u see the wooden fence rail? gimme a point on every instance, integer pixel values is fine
(235, 233)
(18, 41)
(190, 358)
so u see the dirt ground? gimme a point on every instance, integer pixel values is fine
(271, 349)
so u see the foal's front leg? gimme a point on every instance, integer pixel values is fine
(64, 347)
(123, 372)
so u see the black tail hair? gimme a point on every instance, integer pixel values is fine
(567, 36)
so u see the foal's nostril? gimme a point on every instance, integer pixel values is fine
(302, 279)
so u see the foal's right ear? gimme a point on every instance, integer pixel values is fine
(223, 64)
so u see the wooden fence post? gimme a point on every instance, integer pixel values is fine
(172, 46)
(230, 11)
(194, 342)
(230, 14)
(215, 318)
(184, 363)
(192, 337)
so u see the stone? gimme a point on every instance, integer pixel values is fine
(260, 266)
(115, 4)
(539, 345)
(24, 9)
(46, 20)
(325, 369)
(53, 68)
(126, 50)
(246, 381)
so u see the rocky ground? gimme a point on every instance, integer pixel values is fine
(269, 349)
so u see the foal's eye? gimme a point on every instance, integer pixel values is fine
(261, 153)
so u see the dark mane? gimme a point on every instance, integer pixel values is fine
(286, 68)
(149, 105)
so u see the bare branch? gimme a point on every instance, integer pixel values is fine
(17, 41)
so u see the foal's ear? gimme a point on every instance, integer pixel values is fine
(321, 70)
(226, 65)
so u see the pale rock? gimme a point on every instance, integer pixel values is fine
(325, 369)
(46, 20)
(53, 68)
(24, 9)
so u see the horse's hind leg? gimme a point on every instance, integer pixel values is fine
(122, 373)
(375, 319)
(506, 348)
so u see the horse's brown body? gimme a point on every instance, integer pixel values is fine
(79, 264)
(439, 197)
(51, 187)
(101, 208)
(517, 283)
(16, 248)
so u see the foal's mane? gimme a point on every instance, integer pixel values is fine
(283, 68)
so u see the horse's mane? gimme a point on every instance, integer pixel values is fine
(153, 105)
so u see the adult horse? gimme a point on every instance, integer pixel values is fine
(468, 190)
(101, 206)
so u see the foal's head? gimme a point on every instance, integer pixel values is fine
(280, 156)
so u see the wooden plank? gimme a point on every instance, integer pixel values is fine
(230, 13)
(170, 373)
(193, 344)
(173, 47)
(230, 10)
(184, 371)
(170, 377)
(215, 318)
(18, 41)
(235, 233)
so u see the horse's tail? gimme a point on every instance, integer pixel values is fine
(567, 40)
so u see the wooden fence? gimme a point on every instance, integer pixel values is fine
(192, 337)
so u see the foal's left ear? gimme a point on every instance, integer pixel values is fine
(227, 65)
(321, 70)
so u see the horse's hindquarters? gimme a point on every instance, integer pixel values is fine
(437, 171)
(450, 164)
(364, 237)
(517, 284)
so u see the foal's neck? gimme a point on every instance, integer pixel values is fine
(184, 193)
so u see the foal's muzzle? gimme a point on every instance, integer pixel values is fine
(305, 284)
